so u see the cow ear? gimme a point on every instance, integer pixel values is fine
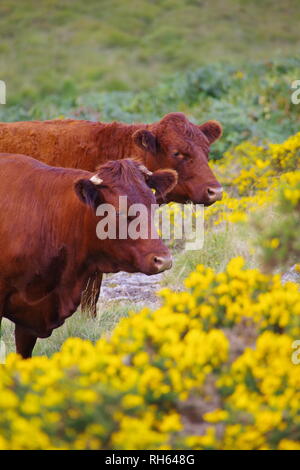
(212, 130)
(88, 193)
(145, 140)
(163, 181)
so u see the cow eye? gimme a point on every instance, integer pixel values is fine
(176, 154)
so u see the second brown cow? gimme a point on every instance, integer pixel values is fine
(173, 142)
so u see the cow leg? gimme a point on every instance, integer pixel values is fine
(1, 315)
(1, 306)
(25, 342)
(91, 294)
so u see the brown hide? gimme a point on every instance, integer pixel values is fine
(48, 242)
(173, 142)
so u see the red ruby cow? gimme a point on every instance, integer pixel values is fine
(48, 242)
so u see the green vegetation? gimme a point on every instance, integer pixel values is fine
(71, 46)
(252, 102)
(135, 61)
(79, 325)
(278, 230)
(220, 246)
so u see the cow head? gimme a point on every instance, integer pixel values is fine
(127, 178)
(174, 142)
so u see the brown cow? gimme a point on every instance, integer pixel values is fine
(173, 142)
(48, 242)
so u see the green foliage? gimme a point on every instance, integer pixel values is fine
(118, 45)
(252, 101)
(138, 60)
(278, 239)
(79, 325)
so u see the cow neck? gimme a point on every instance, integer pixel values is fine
(115, 141)
(89, 250)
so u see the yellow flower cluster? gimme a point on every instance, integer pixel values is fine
(131, 391)
(278, 240)
(290, 188)
(225, 299)
(286, 156)
(254, 174)
(262, 396)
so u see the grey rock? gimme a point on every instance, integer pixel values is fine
(291, 276)
(131, 287)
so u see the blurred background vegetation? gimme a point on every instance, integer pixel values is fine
(230, 60)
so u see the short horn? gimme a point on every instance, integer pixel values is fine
(96, 180)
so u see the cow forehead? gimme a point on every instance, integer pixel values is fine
(125, 178)
(139, 193)
(188, 135)
(196, 147)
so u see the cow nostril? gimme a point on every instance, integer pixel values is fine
(214, 194)
(162, 262)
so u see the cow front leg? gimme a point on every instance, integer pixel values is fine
(25, 342)
(91, 294)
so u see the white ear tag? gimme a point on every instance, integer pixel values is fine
(96, 180)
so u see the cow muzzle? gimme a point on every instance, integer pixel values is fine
(159, 263)
(214, 194)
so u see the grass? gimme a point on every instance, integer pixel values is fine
(78, 325)
(220, 246)
(231, 60)
(68, 47)
(252, 102)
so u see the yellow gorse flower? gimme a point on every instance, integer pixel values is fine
(129, 391)
(132, 390)
(252, 176)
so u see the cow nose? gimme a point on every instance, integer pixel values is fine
(214, 193)
(162, 263)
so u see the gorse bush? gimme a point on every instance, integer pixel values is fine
(279, 240)
(133, 390)
(262, 190)
(226, 298)
(256, 176)
(261, 185)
